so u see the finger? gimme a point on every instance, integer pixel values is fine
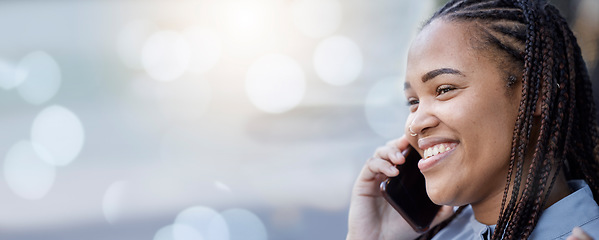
(580, 234)
(400, 143)
(393, 150)
(376, 165)
(390, 154)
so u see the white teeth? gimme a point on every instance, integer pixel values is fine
(432, 151)
(442, 149)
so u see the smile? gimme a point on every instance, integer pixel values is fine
(437, 149)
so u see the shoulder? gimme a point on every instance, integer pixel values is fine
(577, 209)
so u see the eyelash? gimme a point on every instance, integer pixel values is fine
(444, 89)
(440, 90)
(412, 102)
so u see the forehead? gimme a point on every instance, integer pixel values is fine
(443, 44)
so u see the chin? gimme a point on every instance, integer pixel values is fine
(440, 196)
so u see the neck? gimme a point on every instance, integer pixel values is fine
(487, 211)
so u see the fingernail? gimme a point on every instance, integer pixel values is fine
(398, 155)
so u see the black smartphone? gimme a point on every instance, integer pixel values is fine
(406, 192)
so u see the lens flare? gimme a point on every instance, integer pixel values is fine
(206, 221)
(244, 225)
(385, 113)
(39, 77)
(275, 83)
(338, 60)
(166, 55)
(26, 174)
(60, 132)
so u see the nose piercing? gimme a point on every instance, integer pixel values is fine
(412, 133)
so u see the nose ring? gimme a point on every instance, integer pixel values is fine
(412, 133)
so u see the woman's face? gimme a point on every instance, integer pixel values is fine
(463, 113)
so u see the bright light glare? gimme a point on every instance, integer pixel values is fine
(317, 18)
(166, 55)
(130, 42)
(113, 202)
(39, 77)
(27, 175)
(206, 221)
(275, 83)
(244, 225)
(245, 21)
(60, 132)
(205, 49)
(385, 113)
(338, 60)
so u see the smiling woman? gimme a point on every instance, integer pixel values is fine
(502, 112)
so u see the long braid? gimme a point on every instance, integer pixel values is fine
(539, 173)
(538, 42)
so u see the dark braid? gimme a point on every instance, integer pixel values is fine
(540, 48)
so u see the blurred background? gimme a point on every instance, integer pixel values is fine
(202, 119)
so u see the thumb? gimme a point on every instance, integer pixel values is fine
(444, 213)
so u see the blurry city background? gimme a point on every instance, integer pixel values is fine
(201, 119)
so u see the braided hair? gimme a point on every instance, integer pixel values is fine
(536, 41)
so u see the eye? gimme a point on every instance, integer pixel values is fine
(444, 89)
(413, 101)
(413, 104)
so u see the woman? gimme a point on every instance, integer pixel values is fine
(502, 87)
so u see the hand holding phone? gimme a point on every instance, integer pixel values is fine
(407, 193)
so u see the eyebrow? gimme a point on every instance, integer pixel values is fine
(434, 73)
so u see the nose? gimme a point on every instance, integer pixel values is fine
(422, 121)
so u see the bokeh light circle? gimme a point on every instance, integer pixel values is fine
(166, 55)
(275, 83)
(185, 232)
(317, 18)
(385, 108)
(26, 174)
(206, 221)
(244, 225)
(164, 233)
(338, 60)
(178, 232)
(131, 39)
(113, 203)
(39, 77)
(60, 132)
(9, 78)
(205, 49)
